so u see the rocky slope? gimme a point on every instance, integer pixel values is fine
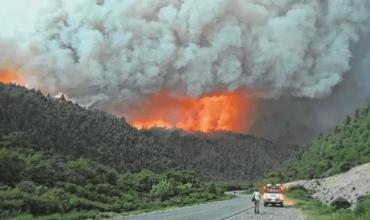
(349, 186)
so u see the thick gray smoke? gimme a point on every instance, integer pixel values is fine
(298, 120)
(109, 53)
(119, 49)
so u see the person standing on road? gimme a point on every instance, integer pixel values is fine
(256, 199)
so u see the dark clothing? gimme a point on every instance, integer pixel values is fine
(256, 206)
(256, 199)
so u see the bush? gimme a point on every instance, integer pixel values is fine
(144, 181)
(163, 190)
(47, 203)
(85, 185)
(81, 172)
(26, 186)
(363, 207)
(341, 203)
(184, 189)
(84, 204)
(68, 216)
(314, 209)
(12, 166)
(299, 192)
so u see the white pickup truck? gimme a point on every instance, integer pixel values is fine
(273, 194)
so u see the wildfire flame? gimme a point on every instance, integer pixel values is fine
(9, 75)
(230, 111)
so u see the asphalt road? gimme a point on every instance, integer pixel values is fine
(221, 210)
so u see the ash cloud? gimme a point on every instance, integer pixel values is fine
(110, 53)
(298, 120)
(277, 48)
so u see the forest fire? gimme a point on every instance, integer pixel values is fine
(8, 75)
(230, 111)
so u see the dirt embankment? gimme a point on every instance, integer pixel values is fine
(349, 186)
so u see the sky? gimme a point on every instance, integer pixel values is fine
(18, 17)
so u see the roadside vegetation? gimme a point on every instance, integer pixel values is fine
(34, 184)
(315, 210)
(347, 146)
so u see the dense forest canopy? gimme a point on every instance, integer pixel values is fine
(62, 127)
(347, 146)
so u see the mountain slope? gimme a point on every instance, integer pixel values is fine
(61, 127)
(222, 155)
(347, 146)
(34, 184)
(351, 186)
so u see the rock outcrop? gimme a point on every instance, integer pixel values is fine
(349, 186)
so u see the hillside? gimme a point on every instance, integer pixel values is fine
(61, 127)
(222, 155)
(350, 186)
(33, 184)
(347, 146)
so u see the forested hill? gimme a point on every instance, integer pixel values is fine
(222, 155)
(347, 146)
(61, 127)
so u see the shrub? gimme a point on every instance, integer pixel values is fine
(12, 201)
(68, 216)
(12, 166)
(26, 186)
(341, 203)
(85, 185)
(81, 172)
(363, 207)
(184, 189)
(144, 181)
(163, 190)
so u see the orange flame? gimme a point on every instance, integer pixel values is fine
(230, 111)
(9, 75)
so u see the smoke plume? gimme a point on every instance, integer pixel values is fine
(110, 53)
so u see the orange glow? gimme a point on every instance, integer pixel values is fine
(230, 111)
(9, 75)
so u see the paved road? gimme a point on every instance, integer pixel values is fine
(221, 210)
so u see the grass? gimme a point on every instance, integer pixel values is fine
(78, 215)
(74, 215)
(315, 210)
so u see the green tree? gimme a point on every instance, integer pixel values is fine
(12, 166)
